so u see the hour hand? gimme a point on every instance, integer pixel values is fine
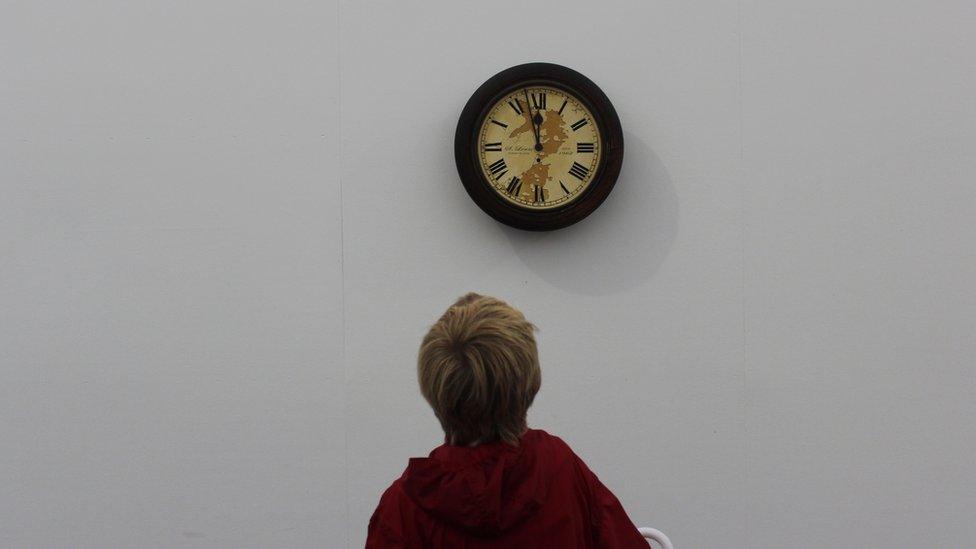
(536, 121)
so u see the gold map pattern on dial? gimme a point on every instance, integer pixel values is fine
(556, 172)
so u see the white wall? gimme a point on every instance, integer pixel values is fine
(225, 226)
(170, 288)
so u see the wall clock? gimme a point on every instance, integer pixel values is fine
(538, 146)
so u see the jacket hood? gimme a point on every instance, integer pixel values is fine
(487, 489)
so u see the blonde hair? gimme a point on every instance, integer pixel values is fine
(478, 368)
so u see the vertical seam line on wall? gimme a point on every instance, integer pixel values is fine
(342, 280)
(742, 265)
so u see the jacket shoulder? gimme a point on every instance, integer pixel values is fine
(538, 436)
(555, 445)
(389, 522)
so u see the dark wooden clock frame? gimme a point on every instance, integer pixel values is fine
(466, 153)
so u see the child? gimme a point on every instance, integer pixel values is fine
(495, 482)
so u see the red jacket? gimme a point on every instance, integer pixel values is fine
(539, 494)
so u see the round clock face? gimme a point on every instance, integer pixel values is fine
(538, 146)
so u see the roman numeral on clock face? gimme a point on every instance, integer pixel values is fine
(502, 124)
(498, 168)
(514, 186)
(495, 147)
(584, 147)
(579, 171)
(539, 101)
(563, 106)
(578, 124)
(516, 106)
(540, 194)
(563, 185)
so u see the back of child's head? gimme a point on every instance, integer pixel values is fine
(479, 369)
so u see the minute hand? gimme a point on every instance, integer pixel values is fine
(532, 117)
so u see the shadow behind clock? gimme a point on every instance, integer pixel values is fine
(621, 244)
